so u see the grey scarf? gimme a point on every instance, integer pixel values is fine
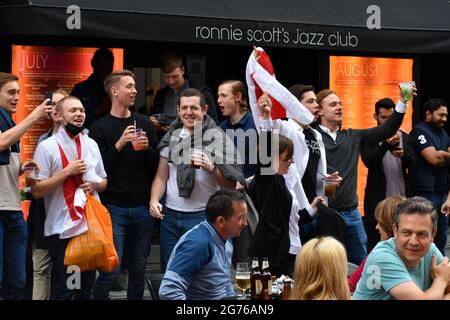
(211, 138)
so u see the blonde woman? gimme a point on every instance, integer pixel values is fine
(321, 271)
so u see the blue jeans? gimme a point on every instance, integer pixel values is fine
(60, 281)
(133, 225)
(13, 250)
(440, 239)
(355, 236)
(173, 226)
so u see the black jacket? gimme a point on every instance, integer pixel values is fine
(273, 201)
(376, 180)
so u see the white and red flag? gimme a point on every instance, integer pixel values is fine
(75, 148)
(261, 79)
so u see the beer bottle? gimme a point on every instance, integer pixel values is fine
(286, 294)
(267, 280)
(256, 280)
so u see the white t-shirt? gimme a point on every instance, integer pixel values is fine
(48, 158)
(9, 189)
(204, 186)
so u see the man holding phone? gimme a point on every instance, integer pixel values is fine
(13, 229)
(388, 162)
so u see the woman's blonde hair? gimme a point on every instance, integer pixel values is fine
(321, 271)
(384, 213)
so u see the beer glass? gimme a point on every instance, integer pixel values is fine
(243, 277)
(195, 152)
(330, 187)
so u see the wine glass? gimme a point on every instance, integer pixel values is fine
(243, 277)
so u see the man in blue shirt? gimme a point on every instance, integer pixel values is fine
(408, 266)
(430, 178)
(239, 125)
(199, 266)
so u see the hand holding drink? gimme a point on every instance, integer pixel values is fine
(407, 90)
(140, 141)
(30, 172)
(196, 158)
(330, 187)
(330, 183)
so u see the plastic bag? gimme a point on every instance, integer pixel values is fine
(94, 249)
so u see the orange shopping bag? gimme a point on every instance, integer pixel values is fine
(93, 249)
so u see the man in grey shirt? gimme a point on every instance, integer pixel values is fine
(342, 150)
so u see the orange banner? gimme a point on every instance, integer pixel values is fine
(42, 69)
(359, 83)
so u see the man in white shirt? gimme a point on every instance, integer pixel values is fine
(70, 163)
(188, 188)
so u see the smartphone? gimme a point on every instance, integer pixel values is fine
(49, 95)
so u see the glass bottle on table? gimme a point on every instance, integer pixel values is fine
(286, 294)
(256, 280)
(267, 280)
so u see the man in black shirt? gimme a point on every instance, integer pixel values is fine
(343, 148)
(388, 162)
(165, 106)
(130, 162)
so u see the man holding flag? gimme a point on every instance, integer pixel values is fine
(262, 83)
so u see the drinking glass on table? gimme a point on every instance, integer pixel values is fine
(243, 277)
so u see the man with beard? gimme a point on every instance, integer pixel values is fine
(430, 179)
(388, 163)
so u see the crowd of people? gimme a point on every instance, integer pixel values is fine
(200, 181)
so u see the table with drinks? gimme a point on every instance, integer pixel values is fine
(262, 285)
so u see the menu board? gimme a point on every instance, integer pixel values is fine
(42, 69)
(360, 82)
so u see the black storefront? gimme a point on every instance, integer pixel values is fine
(299, 35)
